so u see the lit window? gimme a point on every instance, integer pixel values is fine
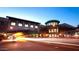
(36, 35)
(55, 35)
(50, 35)
(55, 30)
(36, 26)
(13, 23)
(19, 24)
(49, 30)
(31, 26)
(53, 24)
(26, 25)
(52, 30)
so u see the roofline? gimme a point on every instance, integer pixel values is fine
(52, 21)
(22, 19)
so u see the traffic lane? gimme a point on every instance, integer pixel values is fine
(35, 46)
(59, 47)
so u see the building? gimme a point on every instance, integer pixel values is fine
(12, 24)
(77, 32)
(66, 30)
(52, 28)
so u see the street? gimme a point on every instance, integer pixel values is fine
(36, 46)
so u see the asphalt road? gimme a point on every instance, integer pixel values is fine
(35, 46)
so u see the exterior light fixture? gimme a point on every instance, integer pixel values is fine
(11, 27)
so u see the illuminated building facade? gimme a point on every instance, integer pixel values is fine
(52, 28)
(12, 25)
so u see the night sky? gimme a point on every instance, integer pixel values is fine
(68, 15)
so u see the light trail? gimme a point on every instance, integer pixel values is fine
(46, 40)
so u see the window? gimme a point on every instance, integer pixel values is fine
(13, 23)
(52, 30)
(49, 24)
(19, 24)
(56, 23)
(26, 25)
(50, 35)
(49, 31)
(31, 26)
(55, 35)
(55, 30)
(36, 26)
(53, 24)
